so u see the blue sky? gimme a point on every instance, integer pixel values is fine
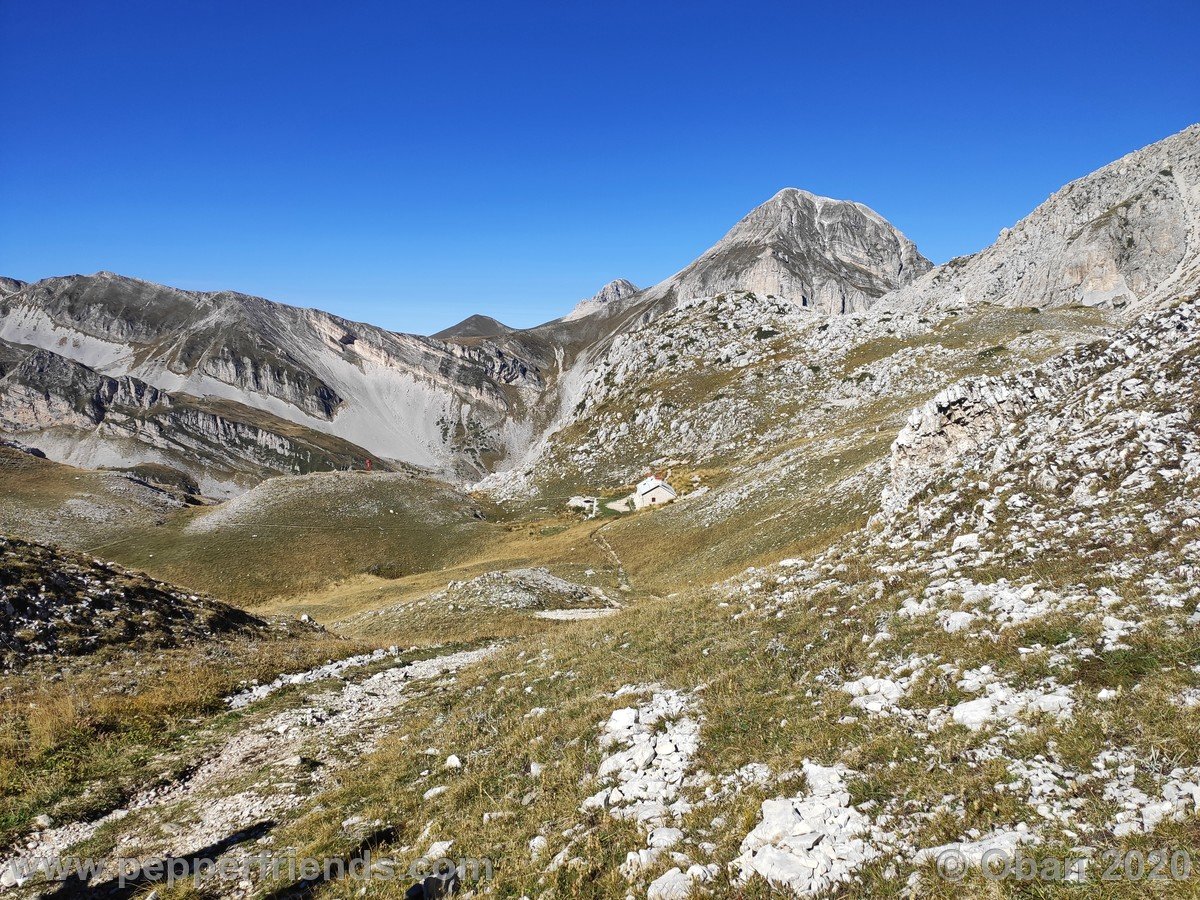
(411, 164)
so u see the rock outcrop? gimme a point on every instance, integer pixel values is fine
(59, 603)
(1066, 395)
(1119, 237)
(619, 289)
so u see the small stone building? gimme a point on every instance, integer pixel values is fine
(652, 491)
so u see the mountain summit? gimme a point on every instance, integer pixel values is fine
(617, 289)
(836, 256)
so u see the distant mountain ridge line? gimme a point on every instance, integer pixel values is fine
(481, 397)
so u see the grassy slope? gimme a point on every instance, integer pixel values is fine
(750, 692)
(297, 535)
(567, 547)
(77, 508)
(76, 741)
(300, 534)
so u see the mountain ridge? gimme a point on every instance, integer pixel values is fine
(481, 398)
(461, 403)
(1111, 238)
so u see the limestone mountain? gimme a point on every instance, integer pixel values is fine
(702, 378)
(619, 289)
(832, 255)
(475, 398)
(399, 397)
(1119, 237)
(794, 286)
(78, 415)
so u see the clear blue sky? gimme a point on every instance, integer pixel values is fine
(410, 164)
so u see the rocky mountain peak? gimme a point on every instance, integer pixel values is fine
(793, 209)
(835, 256)
(617, 289)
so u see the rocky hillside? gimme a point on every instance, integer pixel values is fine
(77, 415)
(56, 603)
(440, 405)
(477, 397)
(1121, 237)
(705, 379)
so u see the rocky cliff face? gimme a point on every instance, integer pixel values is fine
(1127, 236)
(40, 389)
(833, 256)
(82, 416)
(1120, 237)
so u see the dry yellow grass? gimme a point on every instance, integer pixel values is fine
(76, 742)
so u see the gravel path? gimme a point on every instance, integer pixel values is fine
(257, 775)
